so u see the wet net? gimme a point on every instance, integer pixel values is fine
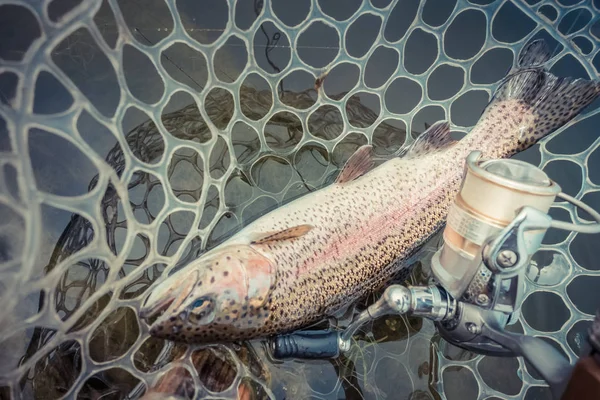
(134, 135)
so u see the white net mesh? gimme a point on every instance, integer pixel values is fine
(134, 135)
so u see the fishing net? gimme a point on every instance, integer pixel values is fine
(134, 135)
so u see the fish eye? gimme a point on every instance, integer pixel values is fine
(198, 309)
(198, 303)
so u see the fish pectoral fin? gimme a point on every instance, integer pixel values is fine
(259, 289)
(358, 164)
(256, 303)
(261, 280)
(435, 138)
(286, 234)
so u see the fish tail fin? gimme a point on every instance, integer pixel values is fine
(553, 100)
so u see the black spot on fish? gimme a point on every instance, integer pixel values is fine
(228, 258)
(212, 280)
(225, 273)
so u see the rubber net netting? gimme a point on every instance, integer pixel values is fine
(134, 135)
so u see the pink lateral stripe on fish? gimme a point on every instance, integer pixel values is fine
(306, 260)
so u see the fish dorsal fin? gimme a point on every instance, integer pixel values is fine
(436, 138)
(358, 163)
(534, 54)
(286, 234)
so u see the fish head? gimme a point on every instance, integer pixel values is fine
(213, 297)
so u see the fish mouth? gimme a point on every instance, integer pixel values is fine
(155, 309)
(172, 291)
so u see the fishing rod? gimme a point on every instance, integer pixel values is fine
(496, 223)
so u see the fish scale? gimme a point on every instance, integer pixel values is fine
(310, 258)
(417, 211)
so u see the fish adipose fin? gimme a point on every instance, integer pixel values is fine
(358, 164)
(286, 234)
(553, 100)
(436, 138)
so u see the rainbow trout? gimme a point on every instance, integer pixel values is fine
(308, 259)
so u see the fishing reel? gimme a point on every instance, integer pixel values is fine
(496, 223)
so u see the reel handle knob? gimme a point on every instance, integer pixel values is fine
(306, 345)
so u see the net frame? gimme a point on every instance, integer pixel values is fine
(144, 156)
